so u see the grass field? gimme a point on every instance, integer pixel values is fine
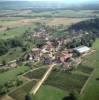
(20, 93)
(37, 74)
(12, 74)
(11, 55)
(13, 32)
(60, 13)
(93, 59)
(91, 91)
(47, 92)
(66, 81)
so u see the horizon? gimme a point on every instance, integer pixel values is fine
(60, 1)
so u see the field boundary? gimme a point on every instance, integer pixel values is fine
(84, 86)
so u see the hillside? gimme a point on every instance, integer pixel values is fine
(91, 25)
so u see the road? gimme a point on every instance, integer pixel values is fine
(38, 85)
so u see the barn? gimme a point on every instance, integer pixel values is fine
(82, 49)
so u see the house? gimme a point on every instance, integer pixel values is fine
(82, 49)
(63, 56)
(36, 54)
(46, 59)
(12, 64)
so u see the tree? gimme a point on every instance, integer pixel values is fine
(3, 62)
(28, 97)
(18, 82)
(3, 90)
(72, 96)
(39, 43)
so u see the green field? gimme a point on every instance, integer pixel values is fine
(18, 31)
(47, 92)
(11, 55)
(91, 91)
(66, 81)
(20, 93)
(12, 74)
(61, 13)
(93, 59)
(37, 74)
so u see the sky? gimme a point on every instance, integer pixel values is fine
(66, 1)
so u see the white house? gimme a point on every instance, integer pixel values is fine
(82, 49)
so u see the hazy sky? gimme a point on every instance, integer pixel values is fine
(66, 1)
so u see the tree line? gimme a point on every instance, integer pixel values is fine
(5, 45)
(86, 39)
(91, 25)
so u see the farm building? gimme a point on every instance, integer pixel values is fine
(63, 56)
(82, 49)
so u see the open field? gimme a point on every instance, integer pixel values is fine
(11, 33)
(13, 54)
(64, 21)
(20, 93)
(37, 74)
(91, 91)
(58, 13)
(47, 92)
(66, 81)
(93, 59)
(12, 74)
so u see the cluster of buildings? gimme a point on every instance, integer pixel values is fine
(49, 53)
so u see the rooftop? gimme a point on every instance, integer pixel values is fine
(82, 49)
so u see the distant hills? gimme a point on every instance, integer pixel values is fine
(47, 5)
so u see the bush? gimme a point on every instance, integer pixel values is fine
(3, 90)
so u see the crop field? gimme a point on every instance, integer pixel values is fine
(13, 32)
(64, 21)
(93, 59)
(66, 81)
(37, 74)
(47, 92)
(12, 74)
(59, 13)
(12, 55)
(20, 93)
(91, 91)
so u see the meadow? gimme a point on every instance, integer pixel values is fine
(91, 91)
(12, 74)
(37, 74)
(13, 54)
(20, 93)
(52, 93)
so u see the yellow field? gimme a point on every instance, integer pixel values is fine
(48, 21)
(64, 21)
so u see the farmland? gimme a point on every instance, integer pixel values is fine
(51, 94)
(11, 55)
(12, 74)
(92, 88)
(24, 25)
(20, 93)
(37, 74)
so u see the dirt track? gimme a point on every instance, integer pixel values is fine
(38, 85)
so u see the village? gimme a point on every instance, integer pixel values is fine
(50, 53)
(53, 51)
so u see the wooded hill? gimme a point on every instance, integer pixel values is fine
(91, 25)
